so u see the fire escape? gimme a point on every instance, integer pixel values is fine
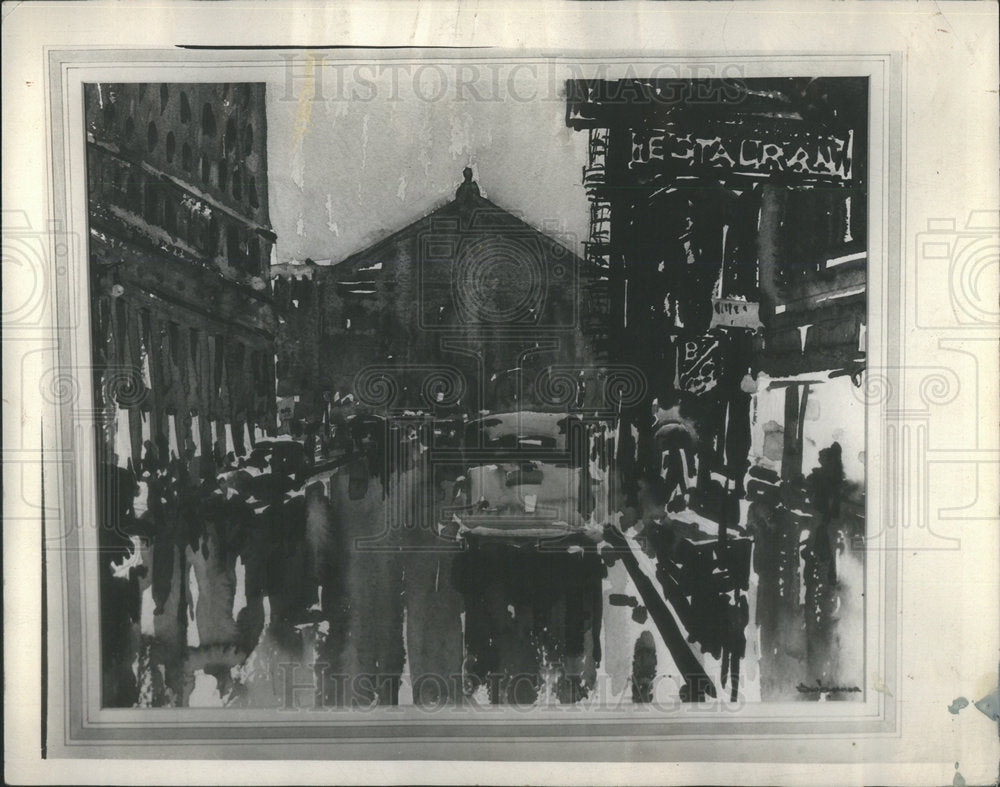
(597, 249)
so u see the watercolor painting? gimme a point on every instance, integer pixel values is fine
(536, 393)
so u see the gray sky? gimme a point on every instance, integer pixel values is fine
(374, 151)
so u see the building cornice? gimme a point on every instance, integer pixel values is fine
(264, 230)
(108, 229)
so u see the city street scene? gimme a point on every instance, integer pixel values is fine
(438, 386)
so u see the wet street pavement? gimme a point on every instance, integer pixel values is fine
(402, 616)
(336, 587)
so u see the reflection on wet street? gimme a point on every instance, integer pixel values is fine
(288, 584)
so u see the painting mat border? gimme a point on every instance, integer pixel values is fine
(685, 735)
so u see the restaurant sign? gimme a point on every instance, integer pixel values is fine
(804, 154)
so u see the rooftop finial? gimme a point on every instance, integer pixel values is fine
(469, 189)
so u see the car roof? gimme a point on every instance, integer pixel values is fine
(524, 422)
(273, 445)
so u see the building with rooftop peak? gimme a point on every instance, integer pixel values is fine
(465, 306)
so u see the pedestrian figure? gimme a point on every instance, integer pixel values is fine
(676, 448)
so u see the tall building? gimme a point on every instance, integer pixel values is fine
(180, 246)
(729, 219)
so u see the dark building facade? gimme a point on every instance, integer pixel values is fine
(180, 246)
(729, 219)
(468, 307)
(725, 217)
(183, 351)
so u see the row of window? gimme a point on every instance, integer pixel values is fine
(208, 127)
(243, 96)
(224, 174)
(217, 174)
(166, 206)
(182, 345)
(173, 349)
